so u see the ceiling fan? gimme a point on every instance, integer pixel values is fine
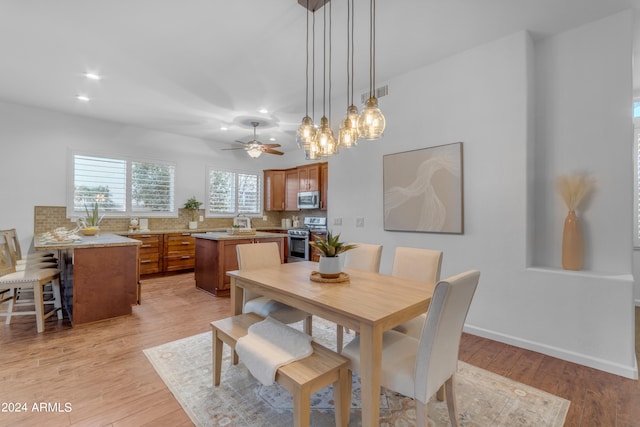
(255, 148)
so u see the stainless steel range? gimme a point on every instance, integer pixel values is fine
(299, 238)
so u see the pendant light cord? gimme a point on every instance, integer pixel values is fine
(306, 93)
(372, 46)
(351, 10)
(313, 73)
(330, 32)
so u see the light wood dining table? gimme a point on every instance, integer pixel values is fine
(370, 303)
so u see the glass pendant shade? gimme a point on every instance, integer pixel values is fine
(306, 133)
(371, 122)
(325, 141)
(348, 135)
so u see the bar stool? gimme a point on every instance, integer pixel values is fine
(11, 281)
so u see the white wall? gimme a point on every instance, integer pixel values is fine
(35, 153)
(484, 98)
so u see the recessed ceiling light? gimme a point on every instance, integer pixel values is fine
(263, 111)
(272, 139)
(224, 128)
(84, 98)
(92, 76)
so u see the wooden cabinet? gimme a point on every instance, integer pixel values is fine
(292, 186)
(179, 251)
(324, 185)
(309, 177)
(150, 252)
(274, 190)
(314, 253)
(215, 257)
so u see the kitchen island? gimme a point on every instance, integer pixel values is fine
(99, 276)
(216, 254)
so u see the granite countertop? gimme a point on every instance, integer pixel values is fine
(197, 231)
(223, 235)
(101, 240)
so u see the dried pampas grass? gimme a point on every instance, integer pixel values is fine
(574, 188)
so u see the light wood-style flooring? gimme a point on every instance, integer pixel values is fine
(101, 372)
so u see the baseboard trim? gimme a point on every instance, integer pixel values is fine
(581, 359)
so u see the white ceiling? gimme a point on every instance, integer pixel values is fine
(191, 66)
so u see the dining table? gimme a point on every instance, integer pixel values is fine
(368, 303)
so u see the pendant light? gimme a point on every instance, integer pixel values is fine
(348, 136)
(371, 122)
(324, 141)
(306, 131)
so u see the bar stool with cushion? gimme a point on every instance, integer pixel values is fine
(418, 368)
(33, 279)
(416, 264)
(364, 257)
(260, 255)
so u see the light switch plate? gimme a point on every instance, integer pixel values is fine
(360, 221)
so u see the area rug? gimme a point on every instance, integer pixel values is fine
(484, 399)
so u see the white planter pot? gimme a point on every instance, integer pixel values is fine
(329, 267)
(193, 225)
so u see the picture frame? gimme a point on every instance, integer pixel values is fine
(423, 190)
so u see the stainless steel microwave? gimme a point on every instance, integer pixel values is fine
(309, 200)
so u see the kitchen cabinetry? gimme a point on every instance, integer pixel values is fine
(292, 186)
(314, 253)
(216, 254)
(150, 252)
(309, 177)
(179, 251)
(324, 185)
(274, 190)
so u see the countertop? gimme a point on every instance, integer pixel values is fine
(101, 240)
(192, 232)
(223, 235)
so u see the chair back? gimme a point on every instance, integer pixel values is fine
(253, 256)
(13, 241)
(437, 358)
(364, 257)
(7, 257)
(417, 264)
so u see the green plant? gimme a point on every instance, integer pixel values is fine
(331, 246)
(192, 205)
(93, 217)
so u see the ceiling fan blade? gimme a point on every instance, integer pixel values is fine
(271, 145)
(271, 151)
(239, 148)
(242, 142)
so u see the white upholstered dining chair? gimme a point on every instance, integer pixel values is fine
(260, 255)
(416, 264)
(364, 257)
(418, 368)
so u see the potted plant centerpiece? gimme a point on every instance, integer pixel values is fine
(330, 249)
(193, 205)
(91, 222)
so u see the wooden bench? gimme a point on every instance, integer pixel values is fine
(301, 378)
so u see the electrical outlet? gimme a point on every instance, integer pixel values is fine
(201, 218)
(265, 218)
(337, 221)
(360, 222)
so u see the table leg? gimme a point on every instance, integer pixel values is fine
(216, 355)
(237, 295)
(370, 372)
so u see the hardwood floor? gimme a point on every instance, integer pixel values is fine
(101, 372)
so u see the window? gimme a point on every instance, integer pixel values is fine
(121, 186)
(233, 193)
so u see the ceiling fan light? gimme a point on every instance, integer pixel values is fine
(254, 151)
(306, 132)
(371, 122)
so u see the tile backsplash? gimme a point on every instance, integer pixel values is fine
(47, 218)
